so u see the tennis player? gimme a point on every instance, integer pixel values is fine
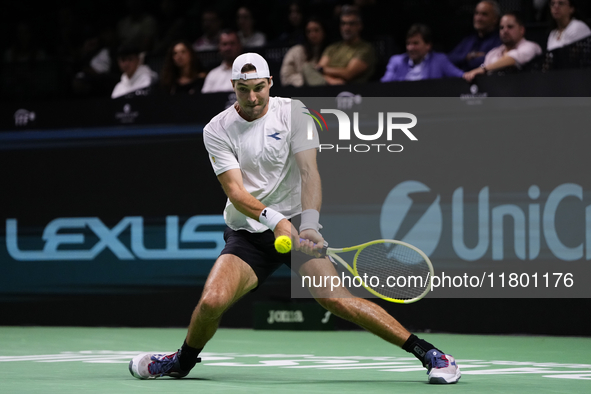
(268, 170)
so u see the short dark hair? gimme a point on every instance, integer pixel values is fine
(127, 49)
(230, 32)
(423, 30)
(517, 15)
(248, 67)
(347, 10)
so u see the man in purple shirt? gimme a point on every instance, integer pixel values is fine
(470, 52)
(419, 62)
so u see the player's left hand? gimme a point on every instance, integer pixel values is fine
(312, 243)
(284, 227)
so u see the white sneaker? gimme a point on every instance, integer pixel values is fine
(155, 365)
(442, 368)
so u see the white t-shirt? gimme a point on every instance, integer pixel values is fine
(264, 151)
(142, 78)
(575, 31)
(218, 80)
(523, 52)
(101, 62)
(257, 39)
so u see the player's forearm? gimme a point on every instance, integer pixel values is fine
(311, 194)
(311, 202)
(311, 190)
(248, 205)
(245, 203)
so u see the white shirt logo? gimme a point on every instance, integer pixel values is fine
(22, 117)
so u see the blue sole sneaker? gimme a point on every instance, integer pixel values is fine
(443, 368)
(156, 365)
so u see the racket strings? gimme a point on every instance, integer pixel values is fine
(393, 270)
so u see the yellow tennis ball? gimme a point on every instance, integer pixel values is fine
(283, 244)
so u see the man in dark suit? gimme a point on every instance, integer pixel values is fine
(470, 52)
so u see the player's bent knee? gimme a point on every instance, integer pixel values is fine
(214, 303)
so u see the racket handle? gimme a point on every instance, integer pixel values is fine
(323, 250)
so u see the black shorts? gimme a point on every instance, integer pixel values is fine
(258, 251)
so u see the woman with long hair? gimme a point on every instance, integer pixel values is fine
(567, 29)
(301, 55)
(182, 71)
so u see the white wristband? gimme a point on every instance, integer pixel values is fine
(269, 217)
(310, 218)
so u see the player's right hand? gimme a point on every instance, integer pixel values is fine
(284, 227)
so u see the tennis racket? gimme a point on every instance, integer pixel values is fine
(403, 271)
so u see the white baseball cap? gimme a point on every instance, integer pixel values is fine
(262, 68)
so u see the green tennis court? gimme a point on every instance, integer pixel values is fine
(95, 360)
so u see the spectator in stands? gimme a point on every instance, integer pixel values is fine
(182, 72)
(99, 72)
(470, 52)
(306, 55)
(567, 29)
(102, 50)
(24, 47)
(211, 24)
(249, 37)
(172, 26)
(219, 79)
(419, 61)
(294, 33)
(136, 76)
(137, 28)
(351, 60)
(515, 51)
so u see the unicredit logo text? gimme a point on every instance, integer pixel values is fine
(413, 213)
